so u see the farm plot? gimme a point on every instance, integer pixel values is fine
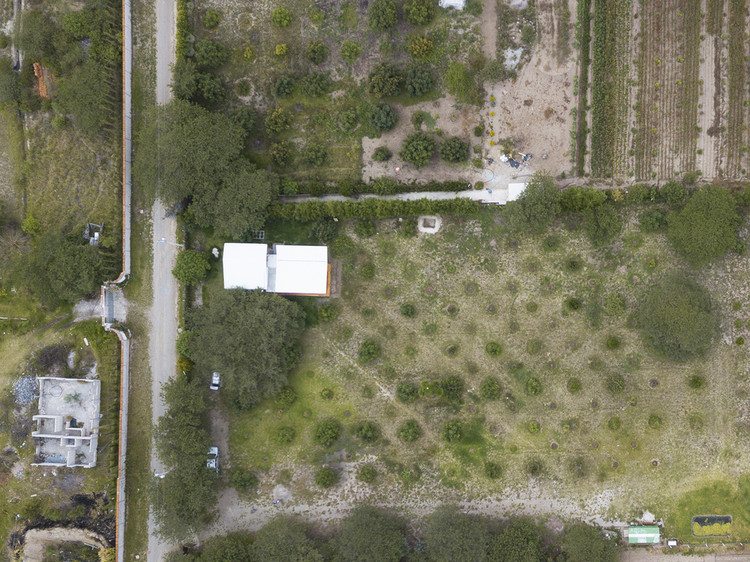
(665, 141)
(738, 93)
(531, 346)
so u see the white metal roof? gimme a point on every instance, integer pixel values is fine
(245, 266)
(301, 270)
(515, 190)
(457, 4)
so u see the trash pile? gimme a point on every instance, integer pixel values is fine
(513, 162)
(25, 390)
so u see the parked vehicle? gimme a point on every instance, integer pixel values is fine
(215, 381)
(213, 459)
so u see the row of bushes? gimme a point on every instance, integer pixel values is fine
(183, 30)
(371, 208)
(381, 186)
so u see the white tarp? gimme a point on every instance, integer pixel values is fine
(456, 4)
(515, 190)
(245, 266)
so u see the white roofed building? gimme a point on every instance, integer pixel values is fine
(289, 270)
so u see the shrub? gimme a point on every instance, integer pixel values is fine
(602, 224)
(478, 130)
(533, 386)
(674, 193)
(242, 88)
(382, 15)
(315, 85)
(284, 86)
(281, 17)
(328, 312)
(285, 397)
(492, 470)
(576, 199)
(407, 392)
(459, 80)
(408, 310)
(573, 264)
(453, 431)
(316, 51)
(383, 117)
(367, 473)
(210, 54)
(243, 480)
(573, 303)
(349, 119)
(3, 40)
(211, 18)
(706, 227)
(315, 155)
(493, 349)
(277, 121)
(689, 178)
(350, 51)
(614, 304)
(534, 467)
(381, 154)
(409, 431)
(654, 421)
(614, 423)
(245, 117)
(364, 228)
(327, 432)
(419, 12)
(695, 382)
(537, 206)
(534, 346)
(418, 148)
(613, 342)
(385, 80)
(452, 388)
(490, 389)
(326, 394)
(280, 50)
(281, 153)
(367, 431)
(191, 267)
(533, 427)
(420, 47)
(652, 220)
(574, 385)
(419, 80)
(677, 318)
(615, 383)
(453, 149)
(369, 350)
(284, 435)
(326, 477)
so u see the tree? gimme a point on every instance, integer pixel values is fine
(327, 432)
(370, 534)
(315, 85)
(316, 51)
(677, 318)
(285, 539)
(419, 80)
(451, 535)
(326, 477)
(420, 12)
(234, 547)
(284, 87)
(83, 93)
(383, 117)
(385, 80)
(409, 431)
(281, 17)
(420, 47)
(583, 543)
(350, 51)
(10, 88)
(382, 15)
(520, 539)
(453, 431)
(226, 336)
(652, 220)
(453, 149)
(382, 154)
(537, 206)
(575, 199)
(674, 193)
(211, 18)
(460, 81)
(36, 35)
(188, 497)
(191, 267)
(418, 148)
(184, 79)
(315, 155)
(181, 146)
(210, 54)
(210, 88)
(281, 153)
(245, 117)
(367, 431)
(706, 227)
(277, 121)
(602, 224)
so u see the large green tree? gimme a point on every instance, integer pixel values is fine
(191, 267)
(583, 543)
(251, 338)
(83, 93)
(706, 227)
(284, 538)
(181, 146)
(537, 206)
(237, 204)
(677, 318)
(370, 534)
(452, 536)
(519, 539)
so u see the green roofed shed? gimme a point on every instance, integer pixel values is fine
(643, 534)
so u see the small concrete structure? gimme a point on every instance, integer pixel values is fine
(284, 269)
(429, 224)
(67, 425)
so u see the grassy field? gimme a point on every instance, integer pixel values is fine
(593, 427)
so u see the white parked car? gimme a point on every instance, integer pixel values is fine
(213, 459)
(215, 381)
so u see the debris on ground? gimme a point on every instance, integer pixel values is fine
(25, 390)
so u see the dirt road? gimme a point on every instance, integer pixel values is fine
(163, 313)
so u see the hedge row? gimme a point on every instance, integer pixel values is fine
(371, 208)
(183, 29)
(381, 186)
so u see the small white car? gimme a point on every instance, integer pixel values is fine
(215, 381)
(213, 459)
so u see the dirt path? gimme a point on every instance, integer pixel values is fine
(489, 29)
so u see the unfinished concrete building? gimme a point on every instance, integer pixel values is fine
(67, 425)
